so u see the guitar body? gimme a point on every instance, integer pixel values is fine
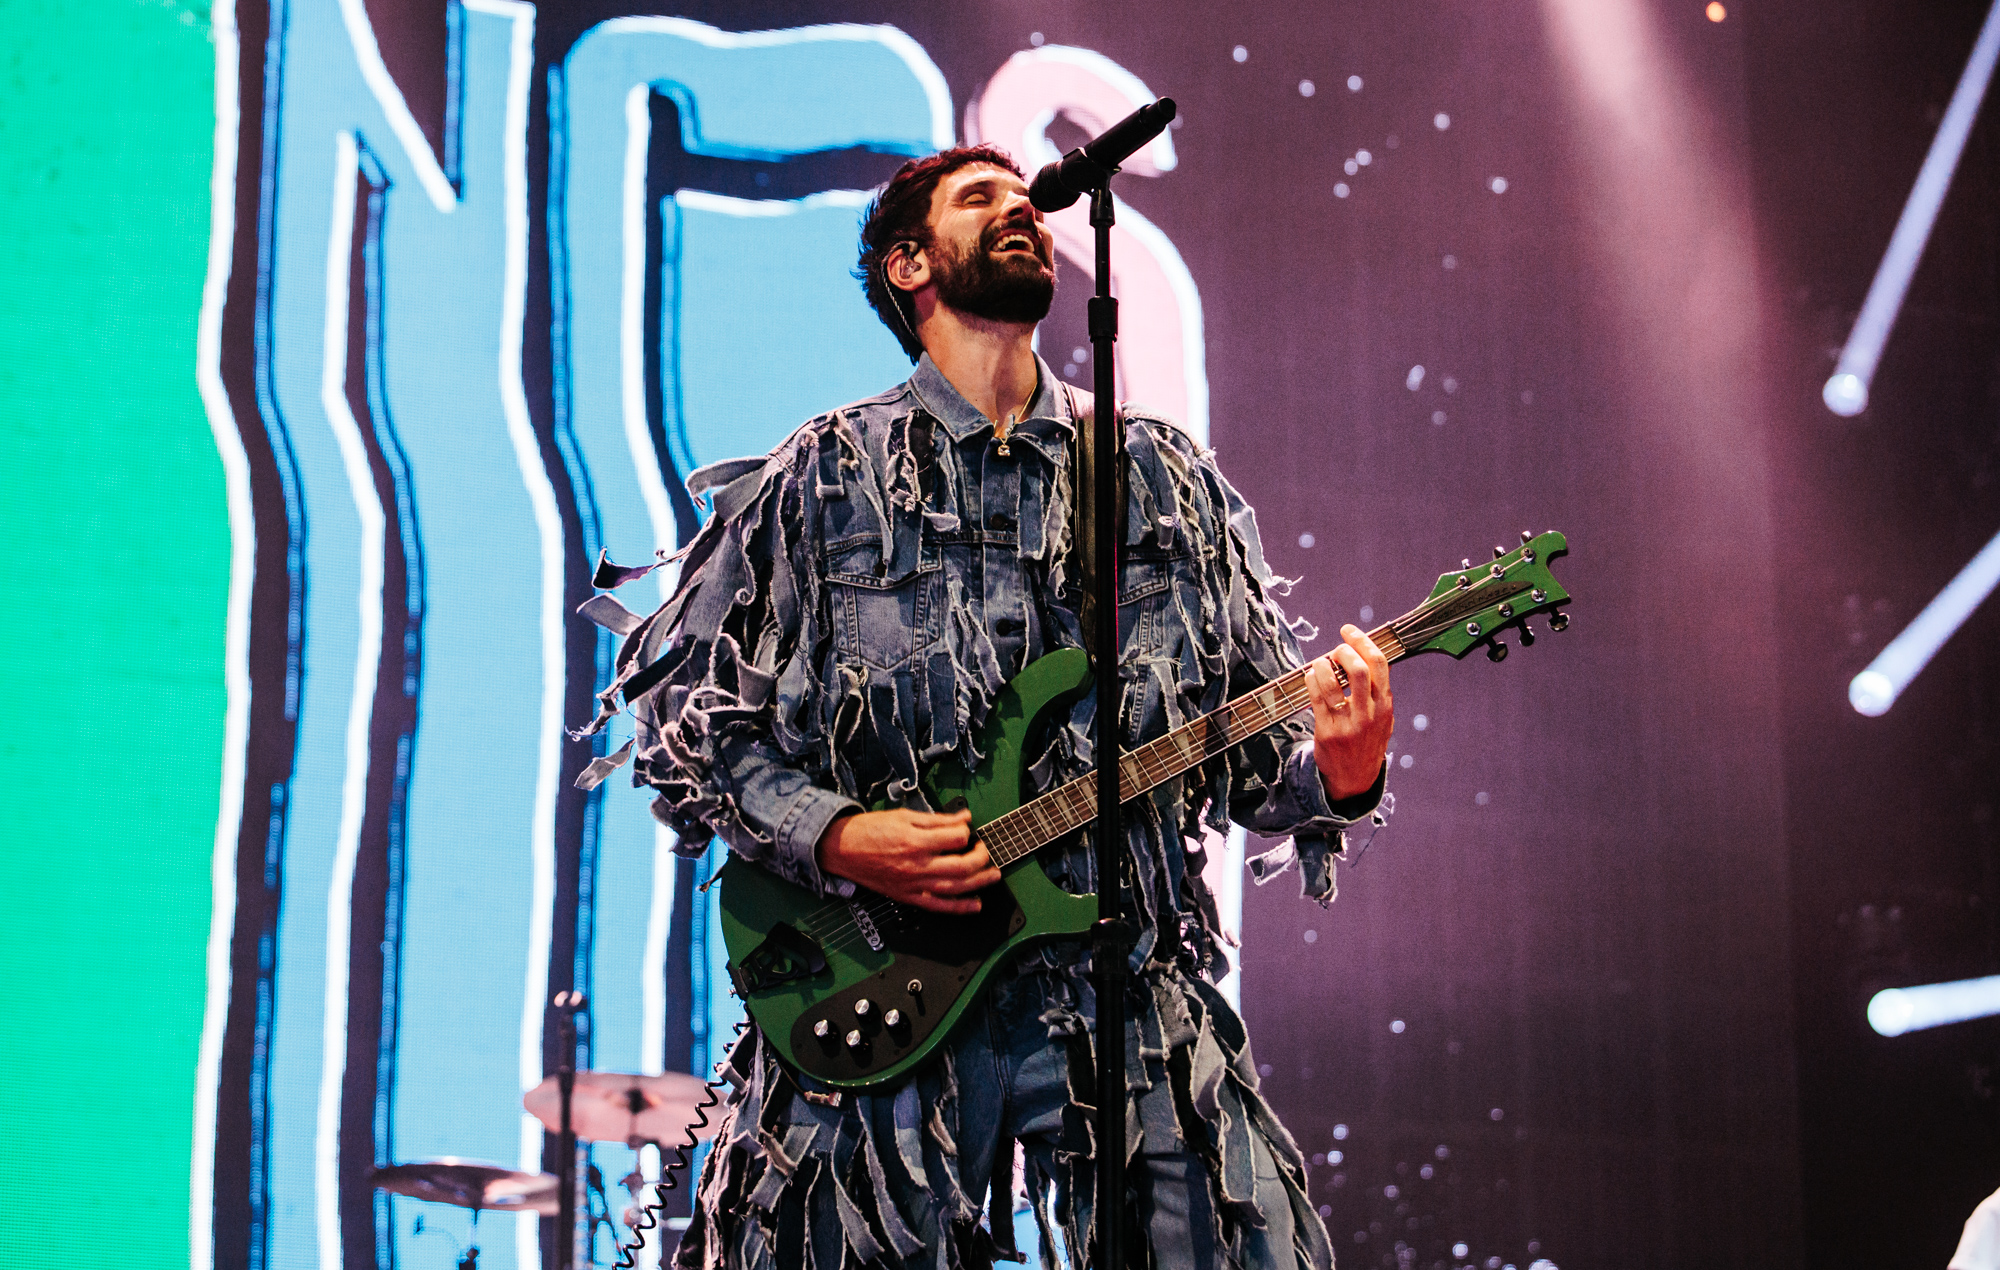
(800, 960)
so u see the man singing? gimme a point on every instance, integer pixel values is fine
(847, 619)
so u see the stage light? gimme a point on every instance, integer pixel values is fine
(1875, 689)
(1894, 1011)
(1716, 12)
(1846, 393)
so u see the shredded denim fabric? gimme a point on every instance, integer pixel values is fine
(846, 618)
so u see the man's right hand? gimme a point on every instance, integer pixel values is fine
(913, 857)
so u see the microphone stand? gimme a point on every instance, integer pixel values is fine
(1090, 168)
(1110, 937)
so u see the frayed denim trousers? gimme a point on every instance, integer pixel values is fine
(804, 1180)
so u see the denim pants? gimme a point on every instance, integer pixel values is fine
(902, 1179)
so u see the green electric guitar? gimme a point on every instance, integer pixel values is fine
(857, 993)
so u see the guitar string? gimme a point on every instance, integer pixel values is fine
(1274, 700)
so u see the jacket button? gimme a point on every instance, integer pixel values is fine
(999, 520)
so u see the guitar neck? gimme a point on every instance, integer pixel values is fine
(1069, 807)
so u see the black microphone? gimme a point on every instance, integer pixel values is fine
(1082, 170)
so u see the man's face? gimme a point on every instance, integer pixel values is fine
(991, 255)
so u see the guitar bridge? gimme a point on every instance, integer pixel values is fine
(867, 927)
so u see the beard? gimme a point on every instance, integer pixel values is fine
(1010, 288)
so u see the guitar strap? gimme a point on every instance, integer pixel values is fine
(1082, 481)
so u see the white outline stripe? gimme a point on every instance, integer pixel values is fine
(653, 961)
(1846, 391)
(368, 59)
(548, 524)
(1228, 891)
(361, 706)
(730, 205)
(236, 655)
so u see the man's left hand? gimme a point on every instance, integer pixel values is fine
(1351, 729)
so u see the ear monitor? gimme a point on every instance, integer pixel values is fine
(895, 297)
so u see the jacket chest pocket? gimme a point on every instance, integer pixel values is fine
(882, 616)
(1145, 598)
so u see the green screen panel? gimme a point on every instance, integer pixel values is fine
(115, 574)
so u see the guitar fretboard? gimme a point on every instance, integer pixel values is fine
(1071, 806)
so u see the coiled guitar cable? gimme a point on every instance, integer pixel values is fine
(654, 1211)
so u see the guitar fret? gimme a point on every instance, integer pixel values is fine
(1031, 815)
(1082, 795)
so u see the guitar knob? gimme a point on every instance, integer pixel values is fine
(1465, 563)
(854, 1039)
(1558, 620)
(822, 1029)
(862, 1007)
(1498, 552)
(1527, 536)
(1527, 635)
(1496, 651)
(893, 1018)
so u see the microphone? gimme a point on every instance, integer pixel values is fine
(1082, 170)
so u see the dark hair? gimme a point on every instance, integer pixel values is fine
(901, 213)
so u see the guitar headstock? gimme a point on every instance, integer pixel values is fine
(1474, 603)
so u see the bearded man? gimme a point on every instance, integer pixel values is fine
(847, 618)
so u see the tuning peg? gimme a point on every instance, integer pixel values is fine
(1498, 552)
(1527, 635)
(1527, 535)
(1558, 620)
(1466, 563)
(1496, 651)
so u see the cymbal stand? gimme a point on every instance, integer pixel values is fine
(567, 1005)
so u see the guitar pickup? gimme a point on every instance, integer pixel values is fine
(785, 955)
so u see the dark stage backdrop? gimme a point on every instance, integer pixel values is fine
(488, 279)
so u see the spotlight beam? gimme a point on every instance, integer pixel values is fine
(1846, 392)
(1894, 1011)
(1875, 689)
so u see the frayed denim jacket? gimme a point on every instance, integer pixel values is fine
(861, 594)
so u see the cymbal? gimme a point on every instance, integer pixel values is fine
(471, 1184)
(615, 1107)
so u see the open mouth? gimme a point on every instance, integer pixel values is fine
(1017, 240)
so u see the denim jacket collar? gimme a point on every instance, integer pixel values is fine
(1048, 425)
